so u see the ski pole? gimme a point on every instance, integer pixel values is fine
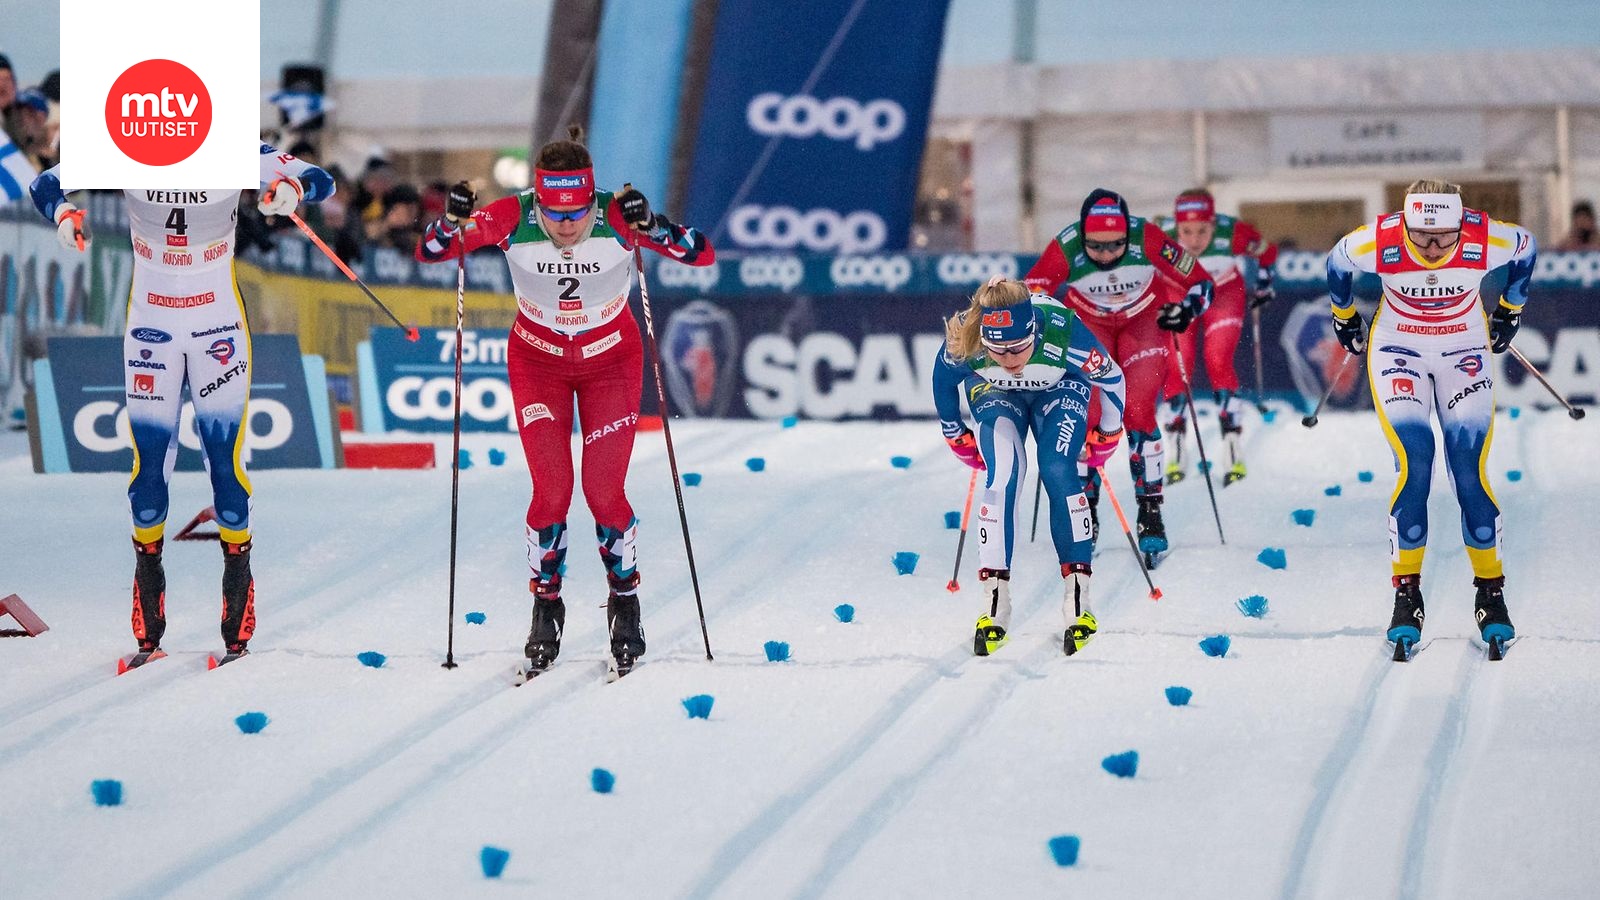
(666, 431)
(972, 485)
(1194, 421)
(1105, 484)
(1255, 342)
(1573, 411)
(455, 456)
(1311, 420)
(412, 334)
(1038, 488)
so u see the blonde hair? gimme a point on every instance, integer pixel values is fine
(1433, 186)
(961, 337)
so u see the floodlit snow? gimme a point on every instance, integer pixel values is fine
(882, 760)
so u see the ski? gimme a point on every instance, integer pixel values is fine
(128, 663)
(526, 671)
(1406, 649)
(616, 668)
(1497, 648)
(214, 661)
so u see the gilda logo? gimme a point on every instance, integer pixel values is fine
(158, 112)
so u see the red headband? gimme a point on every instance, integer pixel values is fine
(570, 188)
(1105, 217)
(1195, 208)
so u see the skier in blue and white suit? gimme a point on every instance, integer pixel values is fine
(1025, 362)
(186, 322)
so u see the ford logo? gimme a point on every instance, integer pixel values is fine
(150, 335)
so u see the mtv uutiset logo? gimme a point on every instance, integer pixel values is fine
(158, 112)
(161, 102)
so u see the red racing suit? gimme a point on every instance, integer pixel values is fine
(1119, 304)
(1233, 241)
(573, 337)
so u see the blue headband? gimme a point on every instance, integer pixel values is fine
(1009, 325)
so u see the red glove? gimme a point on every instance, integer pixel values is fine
(1099, 446)
(965, 447)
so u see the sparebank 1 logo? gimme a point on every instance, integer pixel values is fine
(158, 112)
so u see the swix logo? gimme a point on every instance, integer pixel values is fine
(158, 112)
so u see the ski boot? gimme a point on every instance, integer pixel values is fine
(1231, 430)
(1081, 624)
(549, 619)
(622, 618)
(1175, 464)
(149, 605)
(1152, 532)
(238, 603)
(1405, 626)
(994, 586)
(1494, 621)
(1091, 490)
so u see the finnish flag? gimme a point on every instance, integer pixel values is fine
(16, 173)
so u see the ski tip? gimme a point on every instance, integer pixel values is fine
(122, 666)
(1402, 649)
(211, 662)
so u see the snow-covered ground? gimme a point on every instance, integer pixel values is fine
(882, 760)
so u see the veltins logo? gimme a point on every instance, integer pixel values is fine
(158, 112)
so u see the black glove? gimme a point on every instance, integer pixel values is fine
(1265, 292)
(1175, 316)
(636, 209)
(1351, 332)
(458, 205)
(1503, 325)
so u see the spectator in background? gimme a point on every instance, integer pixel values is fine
(400, 228)
(8, 84)
(434, 198)
(1583, 235)
(34, 134)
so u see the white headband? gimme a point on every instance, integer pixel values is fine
(1436, 211)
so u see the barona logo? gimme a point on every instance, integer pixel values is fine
(158, 112)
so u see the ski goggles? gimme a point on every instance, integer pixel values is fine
(1115, 246)
(570, 215)
(1433, 240)
(1023, 346)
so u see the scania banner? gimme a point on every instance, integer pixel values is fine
(812, 124)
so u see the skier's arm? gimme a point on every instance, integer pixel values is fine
(1355, 253)
(52, 203)
(286, 180)
(1049, 271)
(1248, 242)
(47, 194)
(629, 215)
(443, 240)
(947, 378)
(1512, 246)
(1088, 354)
(1171, 260)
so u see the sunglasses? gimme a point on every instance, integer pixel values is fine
(1011, 349)
(571, 215)
(1105, 246)
(1432, 241)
